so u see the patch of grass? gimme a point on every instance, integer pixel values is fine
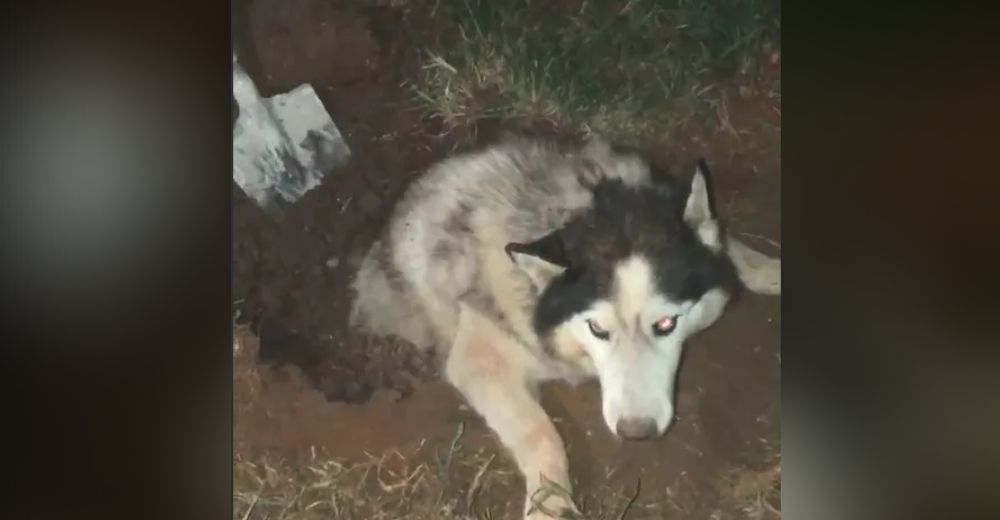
(387, 487)
(632, 70)
(452, 486)
(433, 483)
(752, 495)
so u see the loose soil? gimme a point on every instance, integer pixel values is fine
(304, 382)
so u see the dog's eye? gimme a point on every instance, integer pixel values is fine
(665, 325)
(597, 331)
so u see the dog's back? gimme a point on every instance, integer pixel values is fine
(445, 241)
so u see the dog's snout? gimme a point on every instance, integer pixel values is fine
(636, 429)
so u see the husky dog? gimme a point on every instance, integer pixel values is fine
(530, 261)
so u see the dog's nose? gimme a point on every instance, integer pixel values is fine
(636, 429)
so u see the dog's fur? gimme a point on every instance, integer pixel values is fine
(529, 261)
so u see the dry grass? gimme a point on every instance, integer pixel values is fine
(390, 486)
(445, 484)
(752, 495)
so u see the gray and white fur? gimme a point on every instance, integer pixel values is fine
(529, 261)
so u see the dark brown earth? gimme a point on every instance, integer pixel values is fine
(348, 395)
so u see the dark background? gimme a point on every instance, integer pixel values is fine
(121, 399)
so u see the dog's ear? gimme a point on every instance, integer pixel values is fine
(699, 211)
(541, 260)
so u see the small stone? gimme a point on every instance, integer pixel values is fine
(332, 262)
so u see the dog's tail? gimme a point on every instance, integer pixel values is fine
(758, 272)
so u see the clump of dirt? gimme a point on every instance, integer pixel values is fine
(280, 409)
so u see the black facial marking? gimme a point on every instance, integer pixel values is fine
(549, 248)
(570, 293)
(693, 269)
(625, 221)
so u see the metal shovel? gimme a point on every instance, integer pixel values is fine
(283, 145)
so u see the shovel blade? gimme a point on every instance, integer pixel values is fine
(283, 146)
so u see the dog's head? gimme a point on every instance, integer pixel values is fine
(624, 284)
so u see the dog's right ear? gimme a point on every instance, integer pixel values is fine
(541, 260)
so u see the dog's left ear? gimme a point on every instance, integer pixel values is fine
(541, 260)
(699, 212)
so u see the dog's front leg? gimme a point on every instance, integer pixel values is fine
(492, 371)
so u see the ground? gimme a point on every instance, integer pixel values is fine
(331, 424)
